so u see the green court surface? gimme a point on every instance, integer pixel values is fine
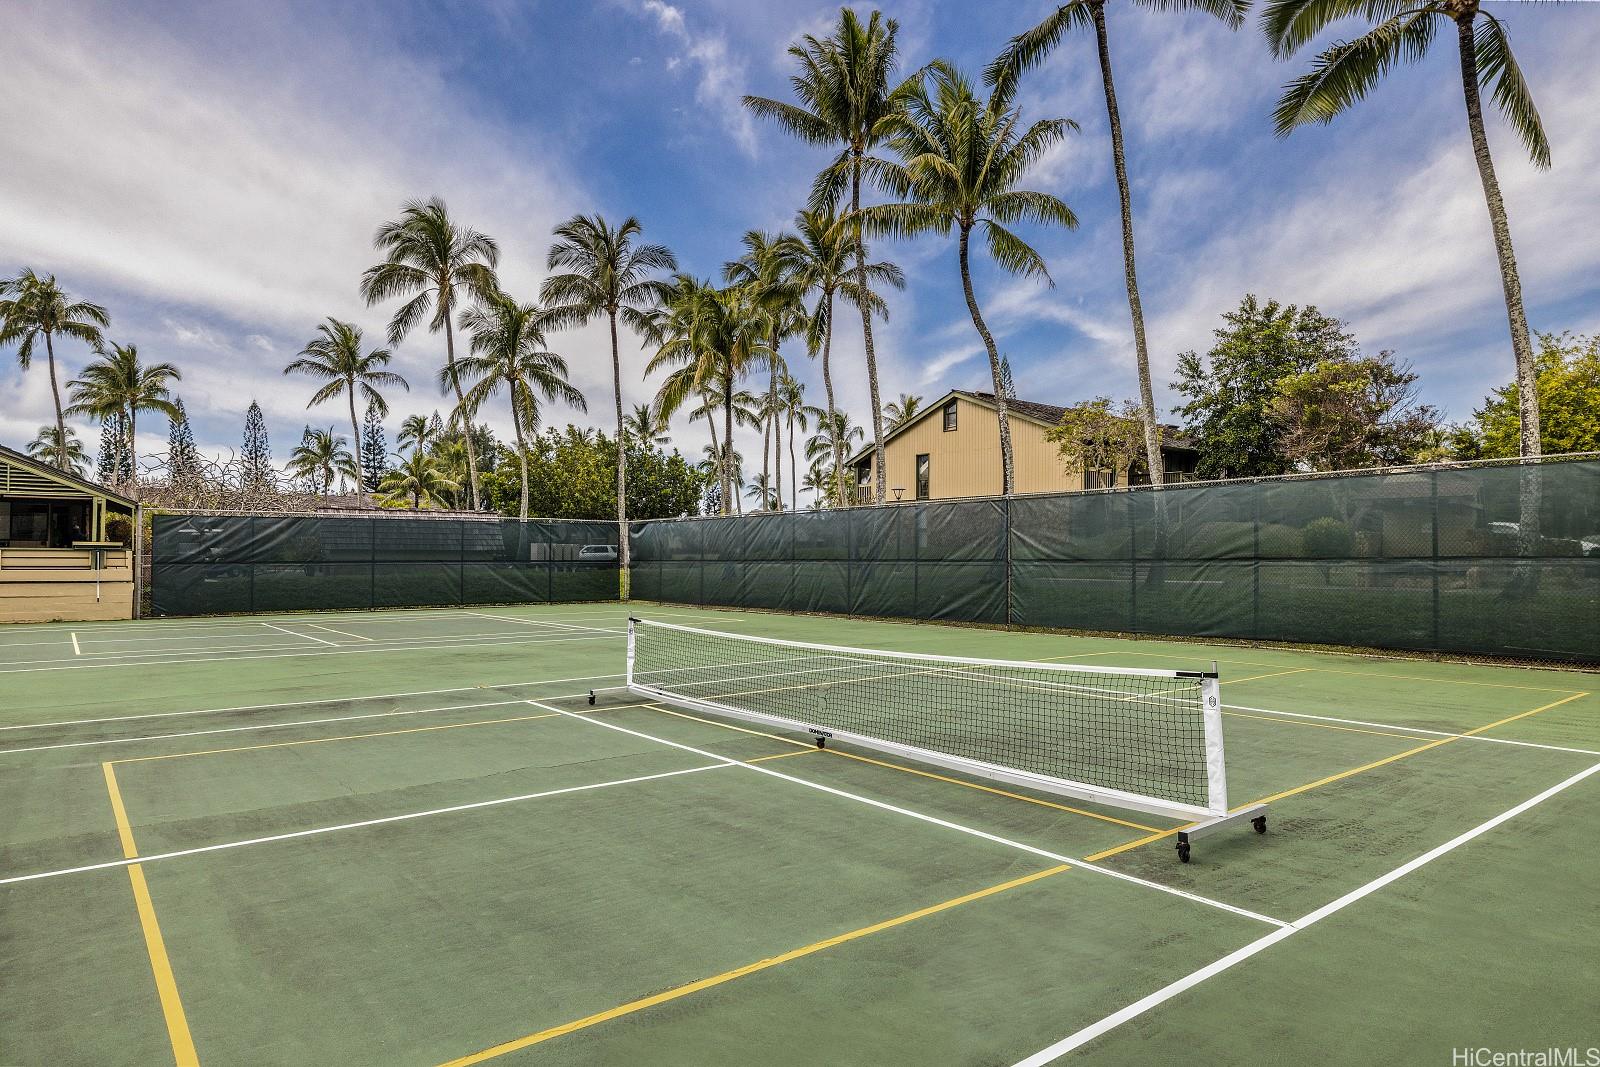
(408, 838)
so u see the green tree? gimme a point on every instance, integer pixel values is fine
(117, 383)
(834, 434)
(848, 97)
(374, 449)
(645, 426)
(961, 160)
(420, 479)
(903, 410)
(1568, 371)
(1229, 392)
(1347, 71)
(334, 356)
(434, 262)
(255, 457)
(320, 457)
(606, 271)
(1029, 49)
(508, 351)
(47, 448)
(796, 413)
(32, 307)
(572, 474)
(1344, 414)
(1093, 437)
(183, 458)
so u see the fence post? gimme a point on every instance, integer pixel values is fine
(1005, 520)
(1433, 487)
(1255, 563)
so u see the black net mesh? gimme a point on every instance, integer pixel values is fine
(1138, 733)
(211, 564)
(1499, 560)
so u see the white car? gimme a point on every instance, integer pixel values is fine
(597, 554)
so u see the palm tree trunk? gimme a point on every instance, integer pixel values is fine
(716, 454)
(455, 383)
(833, 422)
(794, 470)
(766, 453)
(355, 451)
(522, 454)
(727, 444)
(1006, 472)
(1521, 345)
(776, 485)
(866, 332)
(622, 456)
(55, 393)
(133, 450)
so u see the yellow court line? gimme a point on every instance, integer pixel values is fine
(783, 755)
(1324, 725)
(712, 722)
(183, 1052)
(1125, 846)
(678, 992)
(1274, 674)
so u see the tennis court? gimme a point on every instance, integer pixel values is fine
(409, 837)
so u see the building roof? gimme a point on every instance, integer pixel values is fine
(11, 457)
(1033, 411)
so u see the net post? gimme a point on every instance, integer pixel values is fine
(1216, 764)
(631, 623)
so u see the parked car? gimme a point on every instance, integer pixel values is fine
(597, 554)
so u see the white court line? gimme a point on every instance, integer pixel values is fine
(969, 830)
(343, 633)
(384, 615)
(224, 655)
(76, 651)
(318, 830)
(542, 622)
(1420, 730)
(1167, 992)
(304, 637)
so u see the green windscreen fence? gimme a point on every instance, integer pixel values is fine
(1501, 560)
(213, 564)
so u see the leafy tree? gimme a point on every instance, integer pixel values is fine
(508, 351)
(961, 160)
(572, 474)
(46, 448)
(646, 426)
(334, 356)
(1029, 49)
(321, 456)
(255, 458)
(32, 307)
(183, 458)
(1346, 72)
(117, 383)
(1093, 437)
(1229, 392)
(605, 271)
(434, 261)
(419, 479)
(903, 410)
(374, 450)
(111, 467)
(1348, 413)
(1568, 369)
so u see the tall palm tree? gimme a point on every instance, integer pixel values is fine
(901, 410)
(434, 262)
(792, 403)
(321, 456)
(416, 432)
(1346, 72)
(606, 271)
(645, 425)
(508, 350)
(419, 478)
(32, 307)
(848, 97)
(820, 263)
(834, 435)
(47, 447)
(334, 356)
(1030, 49)
(116, 384)
(961, 160)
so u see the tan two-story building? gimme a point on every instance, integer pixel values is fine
(952, 449)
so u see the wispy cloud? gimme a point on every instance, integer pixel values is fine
(721, 76)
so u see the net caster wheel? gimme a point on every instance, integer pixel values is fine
(591, 698)
(1183, 851)
(1260, 823)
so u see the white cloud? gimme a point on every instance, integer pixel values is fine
(721, 74)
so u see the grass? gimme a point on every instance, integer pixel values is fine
(406, 837)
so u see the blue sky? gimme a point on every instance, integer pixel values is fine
(213, 172)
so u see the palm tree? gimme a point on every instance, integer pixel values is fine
(1030, 49)
(416, 432)
(792, 404)
(1346, 71)
(819, 263)
(834, 437)
(761, 492)
(450, 452)
(961, 159)
(766, 271)
(433, 261)
(419, 478)
(335, 357)
(319, 457)
(607, 273)
(847, 99)
(508, 349)
(819, 483)
(901, 411)
(32, 307)
(646, 426)
(47, 447)
(117, 384)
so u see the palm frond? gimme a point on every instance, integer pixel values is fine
(1015, 254)
(1344, 74)
(1497, 67)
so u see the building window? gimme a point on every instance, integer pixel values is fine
(922, 477)
(950, 416)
